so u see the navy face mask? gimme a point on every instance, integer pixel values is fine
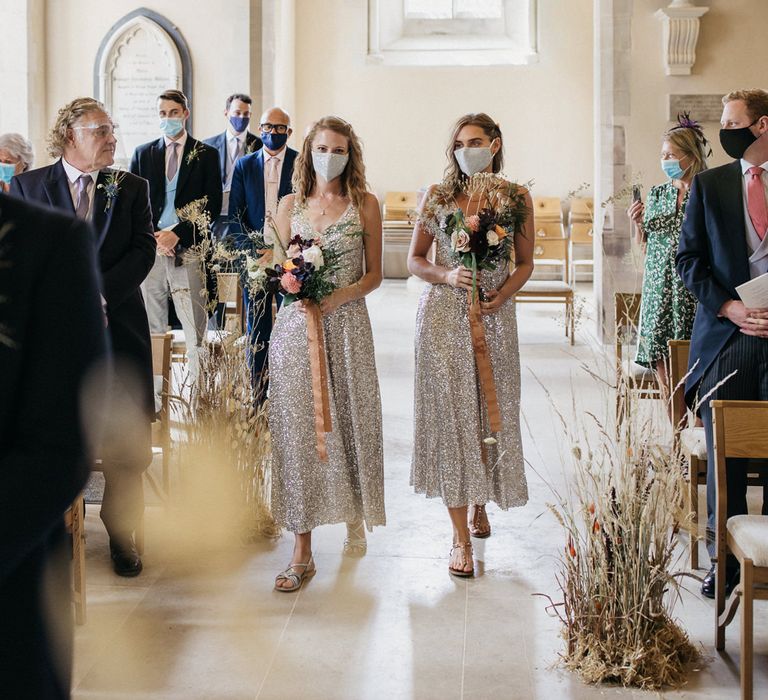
(273, 141)
(239, 124)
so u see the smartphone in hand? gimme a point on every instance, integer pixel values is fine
(637, 193)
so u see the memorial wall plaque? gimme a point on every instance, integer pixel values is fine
(702, 108)
(138, 64)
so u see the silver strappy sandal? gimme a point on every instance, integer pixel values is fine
(355, 545)
(296, 579)
(465, 561)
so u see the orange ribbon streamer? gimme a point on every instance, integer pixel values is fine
(483, 361)
(320, 398)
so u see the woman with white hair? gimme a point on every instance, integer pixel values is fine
(16, 157)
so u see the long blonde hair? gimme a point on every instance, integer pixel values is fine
(454, 178)
(353, 184)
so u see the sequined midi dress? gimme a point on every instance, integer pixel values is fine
(450, 460)
(667, 308)
(348, 487)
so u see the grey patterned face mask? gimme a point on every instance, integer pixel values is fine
(473, 160)
(329, 165)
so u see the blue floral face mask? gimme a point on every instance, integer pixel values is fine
(7, 171)
(672, 169)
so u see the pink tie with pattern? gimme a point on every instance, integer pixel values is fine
(756, 206)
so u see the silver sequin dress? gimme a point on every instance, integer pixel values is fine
(306, 492)
(450, 418)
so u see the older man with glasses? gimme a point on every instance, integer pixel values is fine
(116, 203)
(258, 182)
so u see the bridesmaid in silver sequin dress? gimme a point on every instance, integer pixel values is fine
(331, 203)
(450, 459)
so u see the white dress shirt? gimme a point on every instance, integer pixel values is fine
(72, 176)
(758, 250)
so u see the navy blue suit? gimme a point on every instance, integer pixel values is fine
(247, 211)
(51, 312)
(712, 260)
(219, 142)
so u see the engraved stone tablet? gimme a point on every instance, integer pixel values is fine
(140, 62)
(702, 108)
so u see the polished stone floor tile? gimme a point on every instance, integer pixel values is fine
(203, 621)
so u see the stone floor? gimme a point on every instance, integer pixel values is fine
(204, 622)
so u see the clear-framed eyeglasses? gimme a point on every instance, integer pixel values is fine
(276, 128)
(100, 131)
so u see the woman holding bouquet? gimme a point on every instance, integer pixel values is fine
(467, 445)
(331, 231)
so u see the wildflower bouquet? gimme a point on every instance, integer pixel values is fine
(307, 272)
(485, 240)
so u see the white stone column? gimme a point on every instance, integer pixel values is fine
(278, 68)
(22, 73)
(612, 242)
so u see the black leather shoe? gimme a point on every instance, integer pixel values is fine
(731, 580)
(125, 559)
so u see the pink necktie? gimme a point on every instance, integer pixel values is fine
(756, 206)
(173, 161)
(272, 185)
(83, 200)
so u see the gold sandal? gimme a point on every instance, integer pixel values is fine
(461, 573)
(297, 579)
(355, 545)
(476, 529)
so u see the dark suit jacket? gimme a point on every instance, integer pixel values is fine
(219, 142)
(199, 176)
(50, 310)
(126, 248)
(712, 260)
(246, 198)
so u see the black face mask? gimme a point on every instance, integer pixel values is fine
(735, 142)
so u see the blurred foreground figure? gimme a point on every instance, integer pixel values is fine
(52, 340)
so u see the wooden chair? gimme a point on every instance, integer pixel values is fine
(161, 428)
(581, 210)
(74, 520)
(556, 291)
(631, 378)
(690, 440)
(396, 228)
(739, 431)
(581, 235)
(548, 229)
(547, 209)
(230, 294)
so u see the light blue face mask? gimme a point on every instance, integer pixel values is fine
(171, 127)
(7, 171)
(672, 169)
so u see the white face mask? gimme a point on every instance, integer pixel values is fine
(473, 160)
(329, 165)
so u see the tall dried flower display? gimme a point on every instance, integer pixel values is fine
(620, 514)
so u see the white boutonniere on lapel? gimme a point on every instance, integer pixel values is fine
(194, 153)
(111, 187)
(250, 147)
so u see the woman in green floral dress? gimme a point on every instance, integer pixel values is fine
(667, 307)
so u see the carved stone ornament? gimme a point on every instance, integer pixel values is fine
(681, 32)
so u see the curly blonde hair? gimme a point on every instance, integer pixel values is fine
(454, 178)
(353, 183)
(66, 118)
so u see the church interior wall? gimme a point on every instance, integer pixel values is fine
(722, 64)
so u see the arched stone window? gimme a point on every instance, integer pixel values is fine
(141, 56)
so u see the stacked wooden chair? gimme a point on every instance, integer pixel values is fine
(550, 247)
(397, 227)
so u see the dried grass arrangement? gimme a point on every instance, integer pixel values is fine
(621, 514)
(225, 455)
